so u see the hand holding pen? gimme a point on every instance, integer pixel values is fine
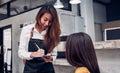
(39, 53)
(47, 57)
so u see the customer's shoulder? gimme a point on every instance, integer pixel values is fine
(82, 70)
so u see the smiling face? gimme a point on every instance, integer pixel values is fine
(46, 20)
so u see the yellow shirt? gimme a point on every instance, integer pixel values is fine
(81, 70)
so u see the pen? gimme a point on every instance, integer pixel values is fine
(37, 46)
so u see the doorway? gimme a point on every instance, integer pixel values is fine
(6, 49)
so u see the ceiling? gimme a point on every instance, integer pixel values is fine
(104, 1)
(21, 5)
(18, 6)
(13, 7)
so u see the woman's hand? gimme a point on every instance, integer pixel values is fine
(24, 61)
(47, 58)
(38, 53)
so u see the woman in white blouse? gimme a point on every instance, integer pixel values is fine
(38, 42)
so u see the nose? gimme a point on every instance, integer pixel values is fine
(46, 23)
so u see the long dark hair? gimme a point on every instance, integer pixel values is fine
(80, 52)
(51, 38)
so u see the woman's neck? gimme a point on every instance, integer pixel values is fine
(39, 28)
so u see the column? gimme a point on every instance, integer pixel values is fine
(86, 7)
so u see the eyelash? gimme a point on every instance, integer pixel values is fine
(47, 20)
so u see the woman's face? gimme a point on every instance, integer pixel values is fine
(46, 20)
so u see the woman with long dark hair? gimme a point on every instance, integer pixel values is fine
(38, 41)
(80, 53)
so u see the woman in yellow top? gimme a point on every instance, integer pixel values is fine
(80, 53)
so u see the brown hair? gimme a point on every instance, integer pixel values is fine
(51, 38)
(80, 52)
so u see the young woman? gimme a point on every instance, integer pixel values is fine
(38, 42)
(80, 53)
